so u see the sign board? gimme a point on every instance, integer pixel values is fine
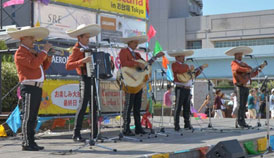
(63, 97)
(116, 27)
(136, 8)
(58, 19)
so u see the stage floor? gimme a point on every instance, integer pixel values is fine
(59, 144)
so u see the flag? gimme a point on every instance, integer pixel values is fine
(151, 33)
(37, 24)
(2, 131)
(147, 6)
(169, 74)
(19, 93)
(157, 48)
(165, 62)
(12, 2)
(14, 120)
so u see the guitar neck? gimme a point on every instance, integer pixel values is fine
(152, 60)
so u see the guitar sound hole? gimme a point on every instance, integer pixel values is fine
(138, 69)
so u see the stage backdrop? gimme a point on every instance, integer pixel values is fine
(136, 8)
(61, 97)
(58, 19)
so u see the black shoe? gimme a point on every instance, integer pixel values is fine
(78, 139)
(188, 127)
(39, 147)
(30, 148)
(128, 133)
(259, 124)
(141, 131)
(177, 128)
(244, 126)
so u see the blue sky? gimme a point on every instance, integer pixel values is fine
(232, 6)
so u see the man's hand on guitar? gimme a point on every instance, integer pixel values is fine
(141, 65)
(191, 67)
(87, 59)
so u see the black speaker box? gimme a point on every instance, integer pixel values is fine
(227, 149)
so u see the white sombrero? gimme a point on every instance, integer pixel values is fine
(93, 29)
(36, 32)
(140, 38)
(180, 52)
(241, 49)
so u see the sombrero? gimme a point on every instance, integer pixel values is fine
(140, 38)
(180, 52)
(93, 29)
(241, 49)
(36, 32)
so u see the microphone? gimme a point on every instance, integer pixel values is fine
(251, 56)
(83, 50)
(189, 59)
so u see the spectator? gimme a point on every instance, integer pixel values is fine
(251, 103)
(271, 103)
(217, 105)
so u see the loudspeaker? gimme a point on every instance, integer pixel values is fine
(227, 149)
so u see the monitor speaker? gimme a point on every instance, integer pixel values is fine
(227, 149)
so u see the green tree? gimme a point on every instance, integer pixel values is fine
(9, 80)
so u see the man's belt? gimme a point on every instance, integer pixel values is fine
(181, 86)
(33, 83)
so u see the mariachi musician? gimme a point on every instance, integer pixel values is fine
(31, 67)
(242, 74)
(77, 60)
(133, 100)
(183, 83)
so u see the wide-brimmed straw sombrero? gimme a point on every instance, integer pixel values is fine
(180, 52)
(140, 38)
(241, 49)
(93, 29)
(36, 32)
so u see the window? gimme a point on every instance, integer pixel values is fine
(194, 45)
(250, 42)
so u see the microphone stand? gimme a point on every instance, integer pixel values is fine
(257, 64)
(162, 129)
(209, 84)
(264, 86)
(91, 141)
(121, 80)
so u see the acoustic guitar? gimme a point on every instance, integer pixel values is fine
(185, 77)
(243, 78)
(134, 78)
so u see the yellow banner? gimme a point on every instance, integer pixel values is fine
(136, 8)
(93, 4)
(59, 97)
